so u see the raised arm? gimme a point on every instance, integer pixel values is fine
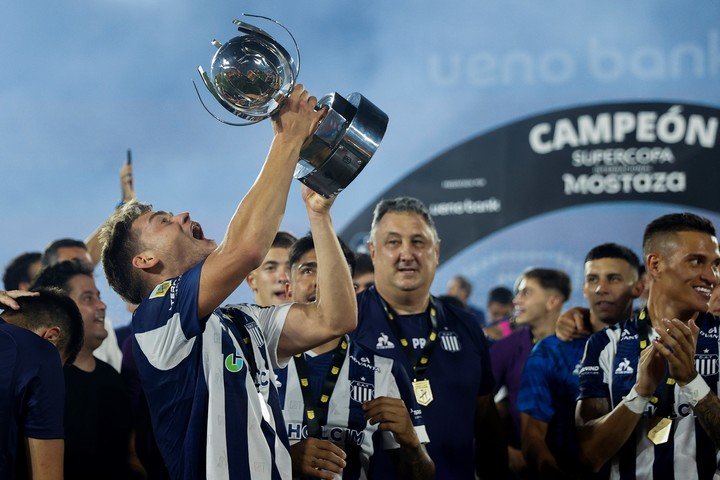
(601, 432)
(677, 344)
(334, 311)
(127, 190)
(257, 217)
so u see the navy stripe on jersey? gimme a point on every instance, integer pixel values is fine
(209, 418)
(609, 371)
(363, 376)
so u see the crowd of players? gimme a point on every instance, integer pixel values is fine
(346, 365)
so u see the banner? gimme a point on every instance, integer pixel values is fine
(596, 159)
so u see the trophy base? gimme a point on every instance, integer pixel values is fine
(343, 143)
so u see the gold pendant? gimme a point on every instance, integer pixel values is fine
(660, 433)
(423, 392)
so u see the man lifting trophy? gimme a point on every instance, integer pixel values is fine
(252, 74)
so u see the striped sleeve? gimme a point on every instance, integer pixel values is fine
(593, 378)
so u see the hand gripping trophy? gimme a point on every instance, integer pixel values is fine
(252, 74)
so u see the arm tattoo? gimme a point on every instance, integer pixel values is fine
(708, 412)
(415, 463)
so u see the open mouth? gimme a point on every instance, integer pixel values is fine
(704, 291)
(196, 231)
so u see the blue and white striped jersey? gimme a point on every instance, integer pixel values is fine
(210, 418)
(609, 370)
(363, 376)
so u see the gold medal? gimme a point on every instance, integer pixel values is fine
(423, 392)
(660, 433)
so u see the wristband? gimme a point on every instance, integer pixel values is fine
(635, 402)
(696, 390)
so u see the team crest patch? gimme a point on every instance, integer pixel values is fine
(361, 391)
(449, 341)
(706, 364)
(257, 337)
(161, 290)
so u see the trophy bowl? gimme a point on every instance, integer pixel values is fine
(251, 75)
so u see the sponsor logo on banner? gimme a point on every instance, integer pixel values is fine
(383, 343)
(449, 341)
(361, 391)
(624, 368)
(706, 364)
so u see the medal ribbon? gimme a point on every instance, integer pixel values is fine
(315, 416)
(664, 404)
(421, 364)
(249, 355)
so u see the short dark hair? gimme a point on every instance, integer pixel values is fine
(549, 278)
(672, 223)
(613, 250)
(50, 255)
(401, 205)
(363, 264)
(18, 270)
(502, 295)
(120, 245)
(51, 309)
(283, 240)
(58, 275)
(464, 283)
(306, 243)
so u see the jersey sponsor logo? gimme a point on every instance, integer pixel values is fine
(706, 364)
(578, 368)
(339, 435)
(449, 341)
(364, 362)
(161, 290)
(234, 363)
(626, 335)
(384, 342)
(624, 368)
(361, 391)
(418, 343)
(712, 333)
(590, 369)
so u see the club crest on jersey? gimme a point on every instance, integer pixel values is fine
(706, 364)
(255, 334)
(361, 391)
(161, 290)
(624, 368)
(449, 341)
(383, 342)
(234, 363)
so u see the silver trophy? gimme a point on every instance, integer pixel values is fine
(250, 76)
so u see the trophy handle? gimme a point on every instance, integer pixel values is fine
(253, 29)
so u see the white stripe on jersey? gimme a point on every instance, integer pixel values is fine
(216, 455)
(166, 346)
(684, 459)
